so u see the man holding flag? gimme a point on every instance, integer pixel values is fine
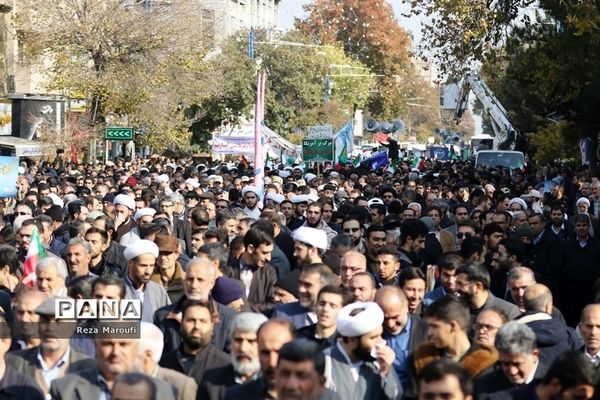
(29, 245)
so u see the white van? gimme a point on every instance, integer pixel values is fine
(505, 159)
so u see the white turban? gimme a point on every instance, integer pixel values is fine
(301, 198)
(311, 236)
(309, 177)
(192, 182)
(140, 247)
(519, 201)
(584, 201)
(365, 321)
(124, 200)
(142, 212)
(277, 198)
(250, 188)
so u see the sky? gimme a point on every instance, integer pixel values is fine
(288, 9)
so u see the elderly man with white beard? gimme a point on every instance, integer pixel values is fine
(245, 364)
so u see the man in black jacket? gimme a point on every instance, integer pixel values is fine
(199, 280)
(244, 366)
(196, 353)
(272, 335)
(518, 360)
(580, 268)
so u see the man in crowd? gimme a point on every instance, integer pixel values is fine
(473, 282)
(360, 327)
(445, 379)
(402, 331)
(245, 364)
(448, 324)
(196, 353)
(302, 313)
(141, 258)
(272, 335)
(518, 357)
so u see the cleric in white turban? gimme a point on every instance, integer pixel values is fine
(139, 248)
(141, 258)
(311, 236)
(250, 188)
(353, 374)
(357, 319)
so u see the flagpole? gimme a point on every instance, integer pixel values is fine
(259, 168)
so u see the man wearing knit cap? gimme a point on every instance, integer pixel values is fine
(309, 245)
(141, 259)
(124, 208)
(359, 366)
(250, 194)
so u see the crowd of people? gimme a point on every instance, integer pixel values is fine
(444, 282)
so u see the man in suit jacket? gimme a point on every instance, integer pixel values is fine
(258, 277)
(518, 359)
(545, 258)
(590, 316)
(149, 354)
(473, 283)
(13, 384)
(272, 335)
(402, 331)
(196, 353)
(141, 257)
(572, 374)
(53, 357)
(302, 313)
(91, 384)
(245, 366)
(199, 281)
(113, 357)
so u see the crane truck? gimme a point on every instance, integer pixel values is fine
(505, 134)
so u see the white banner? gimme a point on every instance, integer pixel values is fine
(235, 145)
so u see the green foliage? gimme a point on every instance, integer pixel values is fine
(123, 60)
(548, 73)
(459, 34)
(551, 144)
(295, 85)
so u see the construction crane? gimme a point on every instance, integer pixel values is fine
(505, 134)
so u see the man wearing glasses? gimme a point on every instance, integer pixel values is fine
(487, 324)
(473, 284)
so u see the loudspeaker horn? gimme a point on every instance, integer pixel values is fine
(371, 125)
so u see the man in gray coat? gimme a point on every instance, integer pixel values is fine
(473, 283)
(350, 368)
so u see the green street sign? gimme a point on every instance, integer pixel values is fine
(317, 150)
(117, 133)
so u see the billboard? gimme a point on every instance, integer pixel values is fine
(34, 116)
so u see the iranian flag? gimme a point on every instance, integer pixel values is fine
(34, 254)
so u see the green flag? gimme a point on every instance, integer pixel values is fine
(343, 156)
(357, 160)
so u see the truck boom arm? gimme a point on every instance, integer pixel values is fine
(505, 133)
